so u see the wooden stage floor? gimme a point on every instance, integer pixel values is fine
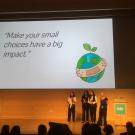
(30, 126)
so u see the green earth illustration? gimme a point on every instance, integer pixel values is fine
(90, 67)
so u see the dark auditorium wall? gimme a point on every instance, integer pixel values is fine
(46, 5)
(124, 45)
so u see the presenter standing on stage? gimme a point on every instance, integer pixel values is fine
(103, 110)
(93, 106)
(71, 107)
(85, 106)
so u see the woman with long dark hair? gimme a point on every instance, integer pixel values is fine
(93, 106)
(71, 107)
(85, 106)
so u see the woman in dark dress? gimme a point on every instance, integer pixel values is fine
(93, 106)
(103, 109)
(85, 106)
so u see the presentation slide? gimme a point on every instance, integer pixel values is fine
(57, 54)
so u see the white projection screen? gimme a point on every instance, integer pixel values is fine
(57, 54)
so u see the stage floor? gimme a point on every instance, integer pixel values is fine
(30, 126)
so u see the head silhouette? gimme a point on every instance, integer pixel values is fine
(108, 129)
(91, 129)
(5, 130)
(42, 130)
(132, 131)
(15, 130)
(129, 125)
(59, 129)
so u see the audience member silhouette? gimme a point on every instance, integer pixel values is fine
(59, 129)
(132, 131)
(91, 129)
(5, 130)
(42, 130)
(15, 130)
(63, 129)
(108, 129)
(129, 125)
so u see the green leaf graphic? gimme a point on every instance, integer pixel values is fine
(94, 49)
(87, 46)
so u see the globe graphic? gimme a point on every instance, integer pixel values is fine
(87, 61)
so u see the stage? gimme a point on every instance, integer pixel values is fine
(29, 109)
(30, 126)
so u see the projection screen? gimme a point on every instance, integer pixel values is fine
(57, 54)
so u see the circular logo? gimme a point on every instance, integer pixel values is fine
(90, 67)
